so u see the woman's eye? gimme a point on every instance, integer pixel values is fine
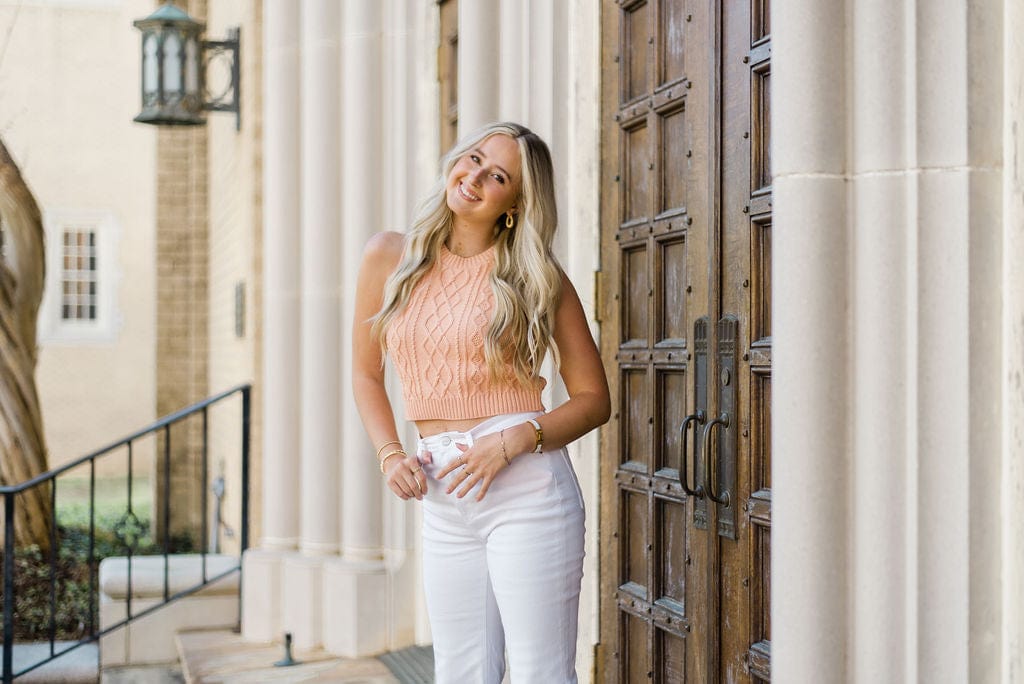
(475, 158)
(498, 177)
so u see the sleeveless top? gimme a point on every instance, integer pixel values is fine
(437, 345)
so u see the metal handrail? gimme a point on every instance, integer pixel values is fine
(9, 491)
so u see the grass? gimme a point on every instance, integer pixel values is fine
(111, 500)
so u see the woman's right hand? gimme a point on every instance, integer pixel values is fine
(405, 477)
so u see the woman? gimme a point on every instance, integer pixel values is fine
(467, 305)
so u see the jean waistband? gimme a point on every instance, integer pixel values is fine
(486, 427)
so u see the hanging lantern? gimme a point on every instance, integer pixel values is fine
(173, 64)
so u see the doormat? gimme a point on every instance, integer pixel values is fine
(413, 665)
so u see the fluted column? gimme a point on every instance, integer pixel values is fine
(889, 372)
(321, 274)
(882, 182)
(319, 234)
(479, 32)
(363, 192)
(281, 277)
(811, 431)
(281, 402)
(513, 96)
(1013, 341)
(356, 584)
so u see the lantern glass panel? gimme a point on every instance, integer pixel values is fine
(150, 68)
(172, 63)
(191, 66)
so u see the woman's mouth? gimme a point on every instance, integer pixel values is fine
(467, 195)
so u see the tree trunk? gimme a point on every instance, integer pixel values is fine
(22, 269)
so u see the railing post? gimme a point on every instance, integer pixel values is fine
(246, 433)
(246, 419)
(8, 588)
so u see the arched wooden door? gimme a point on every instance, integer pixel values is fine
(686, 336)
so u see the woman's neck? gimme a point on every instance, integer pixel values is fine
(466, 241)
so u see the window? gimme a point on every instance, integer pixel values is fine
(79, 275)
(80, 302)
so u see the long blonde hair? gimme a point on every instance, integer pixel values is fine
(526, 279)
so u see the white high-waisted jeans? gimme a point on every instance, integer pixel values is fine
(505, 571)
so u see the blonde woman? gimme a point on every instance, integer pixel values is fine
(467, 305)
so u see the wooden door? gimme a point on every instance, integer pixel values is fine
(686, 335)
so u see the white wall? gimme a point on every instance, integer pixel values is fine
(69, 88)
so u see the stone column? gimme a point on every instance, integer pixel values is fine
(513, 95)
(1013, 342)
(881, 180)
(479, 33)
(321, 311)
(401, 174)
(959, 149)
(579, 224)
(810, 304)
(887, 405)
(355, 586)
(281, 409)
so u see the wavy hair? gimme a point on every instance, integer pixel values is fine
(526, 279)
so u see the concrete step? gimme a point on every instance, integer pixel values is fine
(222, 656)
(143, 674)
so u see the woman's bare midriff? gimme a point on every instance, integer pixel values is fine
(436, 426)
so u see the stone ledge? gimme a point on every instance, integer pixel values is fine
(184, 572)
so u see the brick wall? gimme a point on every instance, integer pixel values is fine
(182, 311)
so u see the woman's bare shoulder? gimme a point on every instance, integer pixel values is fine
(384, 249)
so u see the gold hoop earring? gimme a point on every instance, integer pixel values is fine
(509, 221)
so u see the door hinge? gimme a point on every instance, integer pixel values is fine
(598, 295)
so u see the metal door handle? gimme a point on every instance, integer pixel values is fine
(709, 487)
(683, 466)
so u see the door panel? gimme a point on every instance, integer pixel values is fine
(686, 316)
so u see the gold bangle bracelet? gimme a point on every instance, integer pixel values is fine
(385, 445)
(389, 455)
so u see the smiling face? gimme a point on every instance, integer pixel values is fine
(484, 183)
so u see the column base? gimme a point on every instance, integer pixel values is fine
(355, 614)
(303, 601)
(261, 594)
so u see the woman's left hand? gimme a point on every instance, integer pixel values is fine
(480, 463)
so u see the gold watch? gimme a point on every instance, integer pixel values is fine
(538, 435)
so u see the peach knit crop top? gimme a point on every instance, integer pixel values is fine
(437, 345)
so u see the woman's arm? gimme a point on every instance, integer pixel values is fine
(380, 258)
(588, 406)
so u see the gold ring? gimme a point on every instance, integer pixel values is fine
(416, 470)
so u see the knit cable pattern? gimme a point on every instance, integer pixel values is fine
(437, 345)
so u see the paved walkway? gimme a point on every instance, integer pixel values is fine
(207, 657)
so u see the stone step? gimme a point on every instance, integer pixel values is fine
(143, 674)
(223, 656)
